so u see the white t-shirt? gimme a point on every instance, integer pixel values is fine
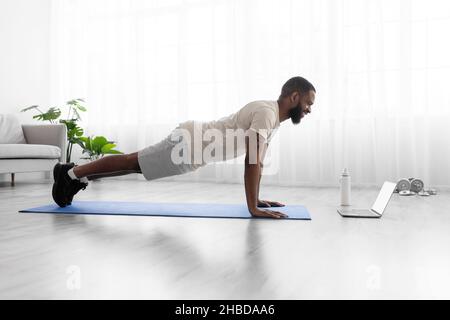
(259, 116)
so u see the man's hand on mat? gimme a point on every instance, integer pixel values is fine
(264, 213)
(268, 204)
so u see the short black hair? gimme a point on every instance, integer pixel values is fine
(296, 84)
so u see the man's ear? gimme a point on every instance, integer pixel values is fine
(295, 97)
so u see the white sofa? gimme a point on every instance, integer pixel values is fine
(30, 148)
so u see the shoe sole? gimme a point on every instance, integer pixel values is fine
(56, 172)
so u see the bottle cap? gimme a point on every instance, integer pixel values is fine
(345, 172)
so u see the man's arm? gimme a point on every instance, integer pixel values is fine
(263, 155)
(265, 203)
(252, 177)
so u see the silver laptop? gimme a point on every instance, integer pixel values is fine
(377, 208)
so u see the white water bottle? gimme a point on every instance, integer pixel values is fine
(346, 188)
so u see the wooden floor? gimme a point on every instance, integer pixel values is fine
(406, 254)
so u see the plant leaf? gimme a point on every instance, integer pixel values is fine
(97, 143)
(100, 141)
(70, 124)
(81, 108)
(107, 147)
(29, 108)
(79, 132)
(51, 114)
(98, 146)
(88, 143)
(75, 104)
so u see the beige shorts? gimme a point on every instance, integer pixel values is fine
(156, 162)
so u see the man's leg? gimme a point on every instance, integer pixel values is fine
(70, 179)
(109, 166)
(111, 174)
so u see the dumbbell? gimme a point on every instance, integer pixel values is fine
(416, 185)
(411, 186)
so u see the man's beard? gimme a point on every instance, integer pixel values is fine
(296, 114)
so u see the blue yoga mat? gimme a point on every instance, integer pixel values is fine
(193, 210)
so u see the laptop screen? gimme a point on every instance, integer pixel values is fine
(383, 197)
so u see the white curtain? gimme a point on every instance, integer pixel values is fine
(381, 69)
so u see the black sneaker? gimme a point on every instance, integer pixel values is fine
(64, 187)
(74, 187)
(61, 183)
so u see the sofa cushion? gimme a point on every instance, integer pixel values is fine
(27, 151)
(10, 129)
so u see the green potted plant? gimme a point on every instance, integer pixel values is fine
(94, 150)
(97, 147)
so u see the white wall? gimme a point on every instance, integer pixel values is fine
(24, 56)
